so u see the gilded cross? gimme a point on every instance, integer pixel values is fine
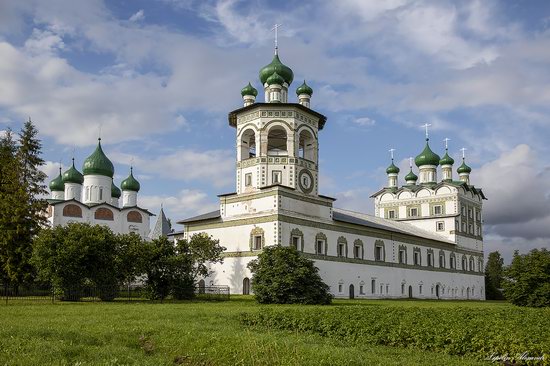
(276, 29)
(426, 125)
(463, 152)
(446, 139)
(391, 153)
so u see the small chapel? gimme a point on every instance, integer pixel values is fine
(424, 241)
(93, 197)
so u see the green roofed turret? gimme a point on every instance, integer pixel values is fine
(427, 157)
(98, 163)
(72, 175)
(130, 183)
(249, 90)
(276, 66)
(304, 89)
(57, 185)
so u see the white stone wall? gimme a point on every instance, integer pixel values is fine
(96, 189)
(74, 191)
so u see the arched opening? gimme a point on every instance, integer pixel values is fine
(468, 293)
(134, 216)
(72, 211)
(103, 213)
(276, 141)
(248, 144)
(306, 146)
(246, 286)
(410, 292)
(201, 287)
(437, 291)
(351, 292)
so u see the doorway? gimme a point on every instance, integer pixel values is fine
(246, 286)
(351, 292)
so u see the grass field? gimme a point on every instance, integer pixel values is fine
(193, 333)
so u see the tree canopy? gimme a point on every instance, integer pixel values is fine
(527, 279)
(493, 276)
(281, 275)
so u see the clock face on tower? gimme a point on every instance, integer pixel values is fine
(305, 181)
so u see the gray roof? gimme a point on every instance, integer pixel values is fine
(374, 222)
(206, 216)
(162, 226)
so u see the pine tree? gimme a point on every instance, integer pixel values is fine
(22, 206)
(493, 276)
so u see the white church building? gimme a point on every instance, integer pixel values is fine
(93, 197)
(424, 241)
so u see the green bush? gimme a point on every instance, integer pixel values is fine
(282, 276)
(457, 331)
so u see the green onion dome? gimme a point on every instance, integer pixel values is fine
(411, 177)
(73, 176)
(115, 191)
(304, 89)
(276, 66)
(130, 183)
(464, 168)
(427, 157)
(98, 163)
(392, 169)
(249, 90)
(275, 79)
(57, 185)
(446, 159)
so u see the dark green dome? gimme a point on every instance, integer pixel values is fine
(446, 159)
(464, 168)
(392, 169)
(115, 191)
(98, 163)
(304, 89)
(73, 176)
(275, 79)
(130, 183)
(249, 90)
(411, 177)
(427, 157)
(276, 66)
(57, 185)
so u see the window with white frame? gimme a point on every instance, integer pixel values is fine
(413, 212)
(341, 249)
(373, 286)
(320, 246)
(391, 214)
(277, 177)
(402, 256)
(357, 249)
(257, 242)
(440, 225)
(442, 261)
(379, 253)
(296, 242)
(361, 290)
(248, 179)
(430, 259)
(438, 210)
(416, 258)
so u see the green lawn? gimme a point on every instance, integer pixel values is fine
(193, 333)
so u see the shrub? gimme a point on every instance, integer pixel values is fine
(457, 331)
(282, 276)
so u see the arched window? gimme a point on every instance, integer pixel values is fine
(103, 213)
(277, 141)
(306, 145)
(246, 286)
(72, 211)
(248, 144)
(134, 216)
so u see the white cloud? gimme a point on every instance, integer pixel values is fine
(186, 203)
(215, 167)
(138, 16)
(364, 122)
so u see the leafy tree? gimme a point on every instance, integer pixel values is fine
(73, 256)
(281, 275)
(493, 276)
(527, 279)
(133, 256)
(173, 269)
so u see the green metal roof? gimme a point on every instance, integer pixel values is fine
(446, 159)
(57, 185)
(392, 169)
(427, 157)
(411, 177)
(276, 66)
(73, 176)
(115, 191)
(249, 90)
(275, 79)
(98, 163)
(130, 183)
(464, 168)
(304, 89)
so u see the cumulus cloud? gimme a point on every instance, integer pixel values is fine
(364, 121)
(517, 188)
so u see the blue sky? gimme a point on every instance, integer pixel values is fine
(160, 76)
